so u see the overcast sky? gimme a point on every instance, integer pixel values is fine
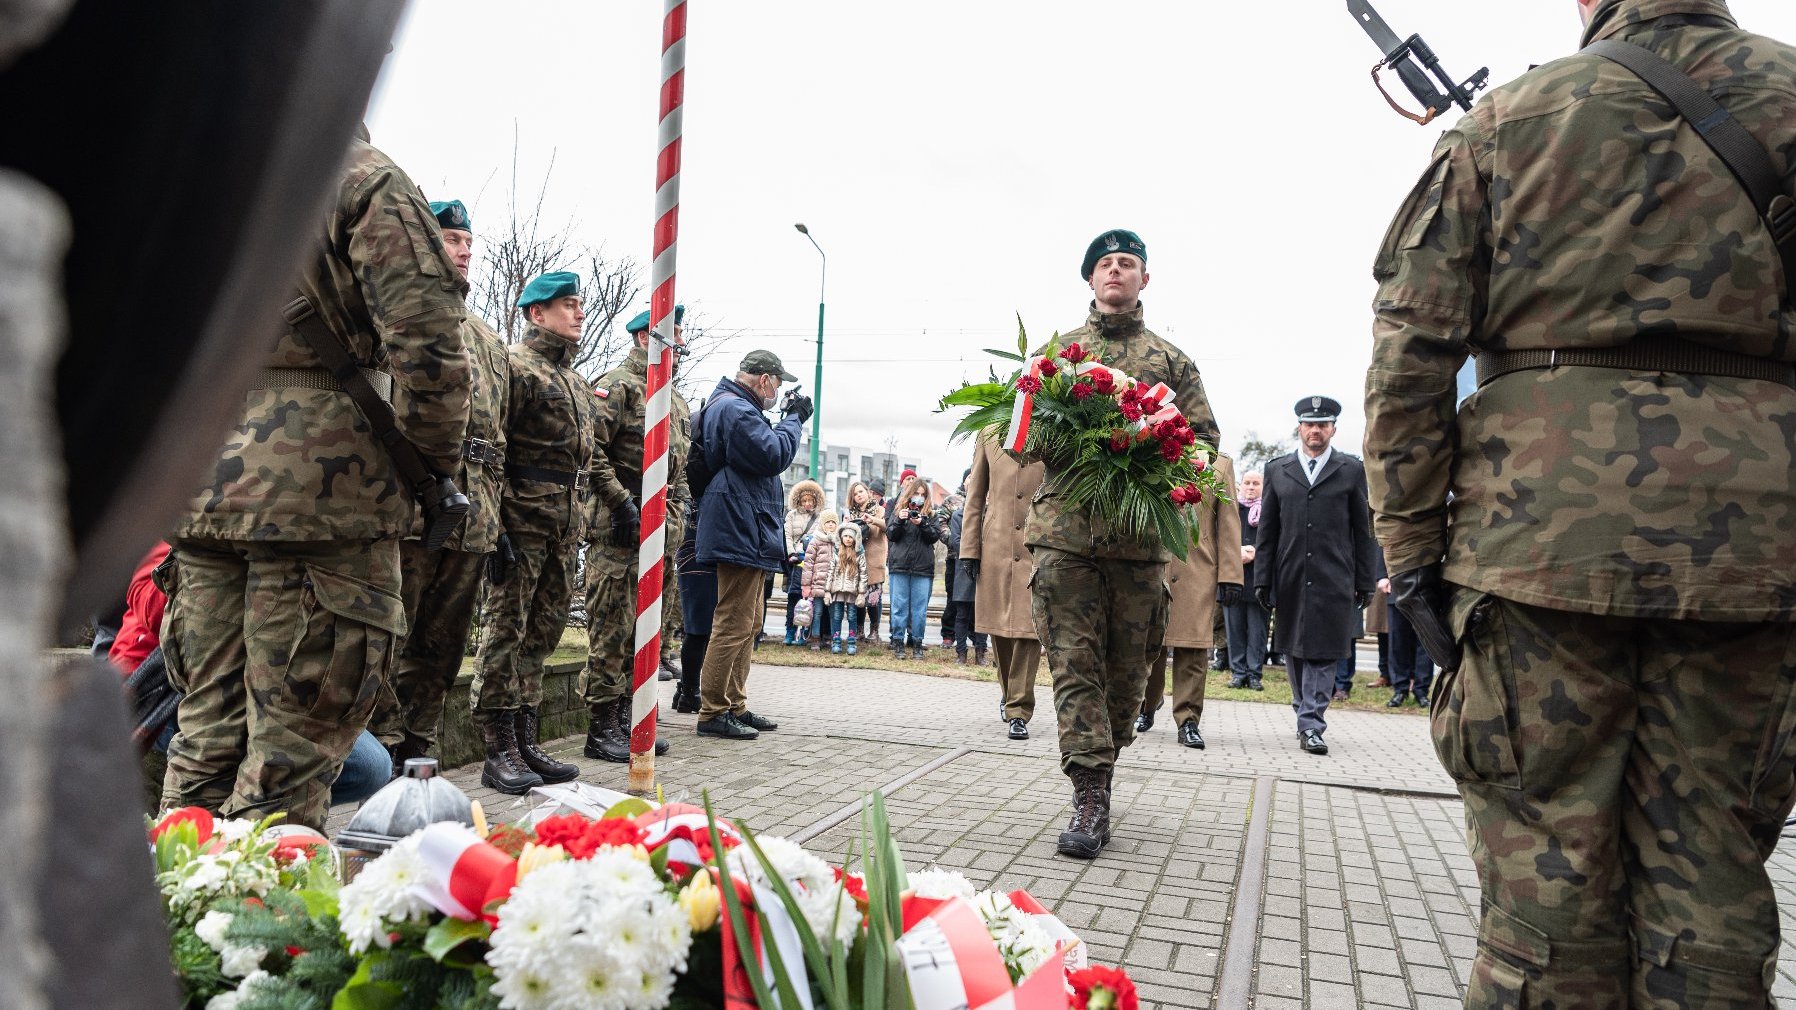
(954, 158)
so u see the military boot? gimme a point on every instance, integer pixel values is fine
(539, 761)
(623, 729)
(505, 769)
(1089, 830)
(605, 739)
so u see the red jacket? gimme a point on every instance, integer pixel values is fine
(141, 630)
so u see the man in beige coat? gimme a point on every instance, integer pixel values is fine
(999, 491)
(1209, 574)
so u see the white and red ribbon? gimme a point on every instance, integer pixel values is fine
(951, 962)
(463, 873)
(1022, 409)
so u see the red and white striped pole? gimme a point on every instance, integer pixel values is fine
(652, 554)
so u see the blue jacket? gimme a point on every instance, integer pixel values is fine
(740, 518)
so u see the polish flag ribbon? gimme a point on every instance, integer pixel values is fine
(951, 962)
(463, 872)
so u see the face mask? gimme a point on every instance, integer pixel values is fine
(916, 499)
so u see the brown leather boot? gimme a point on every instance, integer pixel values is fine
(505, 769)
(1089, 830)
(539, 761)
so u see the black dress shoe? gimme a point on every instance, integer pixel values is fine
(726, 725)
(1144, 722)
(1019, 730)
(684, 702)
(1312, 743)
(1421, 698)
(1397, 698)
(754, 721)
(1189, 736)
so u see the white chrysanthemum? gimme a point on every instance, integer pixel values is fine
(211, 928)
(942, 884)
(240, 962)
(601, 933)
(233, 829)
(212, 878)
(385, 891)
(827, 908)
(1024, 945)
(229, 999)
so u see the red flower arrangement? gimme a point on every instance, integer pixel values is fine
(580, 838)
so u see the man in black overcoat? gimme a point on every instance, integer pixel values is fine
(1313, 561)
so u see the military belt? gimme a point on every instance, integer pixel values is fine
(1645, 355)
(479, 450)
(320, 378)
(576, 479)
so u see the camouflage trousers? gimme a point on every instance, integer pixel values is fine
(441, 588)
(521, 624)
(1100, 621)
(280, 649)
(1189, 679)
(611, 616)
(1624, 782)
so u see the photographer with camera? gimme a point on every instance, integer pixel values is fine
(739, 528)
(915, 527)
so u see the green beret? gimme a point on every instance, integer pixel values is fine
(548, 287)
(452, 214)
(1116, 240)
(641, 322)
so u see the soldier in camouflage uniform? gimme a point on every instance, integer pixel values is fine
(548, 435)
(441, 586)
(285, 613)
(613, 537)
(1618, 554)
(1100, 601)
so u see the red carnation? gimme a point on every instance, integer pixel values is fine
(1131, 395)
(1082, 390)
(580, 838)
(1171, 450)
(1101, 988)
(1028, 384)
(1048, 367)
(1103, 382)
(1119, 441)
(1189, 437)
(1150, 403)
(1167, 430)
(1074, 353)
(1130, 409)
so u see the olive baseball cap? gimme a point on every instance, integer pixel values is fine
(766, 363)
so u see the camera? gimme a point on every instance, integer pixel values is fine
(791, 396)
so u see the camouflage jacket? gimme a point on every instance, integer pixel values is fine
(302, 464)
(617, 436)
(1574, 208)
(1121, 341)
(484, 483)
(548, 424)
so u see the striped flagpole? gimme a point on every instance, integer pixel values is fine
(651, 556)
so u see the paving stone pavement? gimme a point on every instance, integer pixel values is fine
(1353, 883)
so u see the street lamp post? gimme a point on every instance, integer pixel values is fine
(817, 386)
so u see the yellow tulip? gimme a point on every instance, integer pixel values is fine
(536, 856)
(701, 900)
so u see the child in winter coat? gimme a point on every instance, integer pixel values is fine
(846, 586)
(819, 558)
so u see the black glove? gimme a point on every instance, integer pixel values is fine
(800, 404)
(626, 524)
(1361, 599)
(501, 561)
(1263, 596)
(1421, 596)
(969, 569)
(1228, 593)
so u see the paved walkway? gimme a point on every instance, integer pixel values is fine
(1248, 874)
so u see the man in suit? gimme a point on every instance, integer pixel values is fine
(1313, 561)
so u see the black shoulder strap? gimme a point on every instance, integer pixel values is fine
(328, 346)
(1738, 149)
